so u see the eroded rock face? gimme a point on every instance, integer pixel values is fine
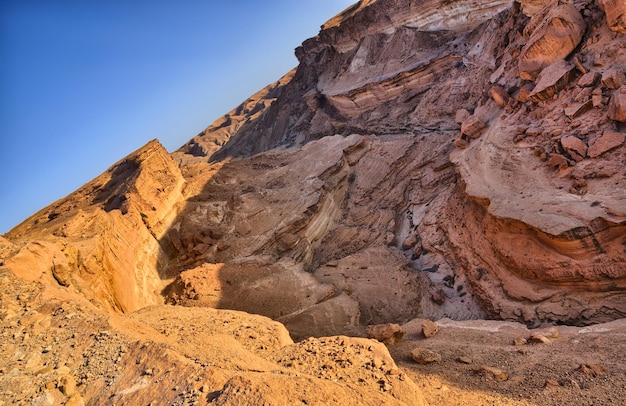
(103, 240)
(617, 105)
(369, 118)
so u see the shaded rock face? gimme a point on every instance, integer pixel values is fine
(341, 86)
(442, 159)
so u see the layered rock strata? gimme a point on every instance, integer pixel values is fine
(518, 78)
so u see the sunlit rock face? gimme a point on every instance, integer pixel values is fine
(103, 239)
(615, 11)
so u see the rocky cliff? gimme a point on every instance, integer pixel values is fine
(523, 97)
(449, 160)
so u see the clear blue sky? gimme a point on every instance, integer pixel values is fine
(84, 83)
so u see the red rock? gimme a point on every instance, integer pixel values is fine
(574, 146)
(493, 373)
(552, 382)
(464, 360)
(524, 93)
(429, 328)
(579, 65)
(499, 95)
(554, 34)
(409, 242)
(544, 336)
(582, 95)
(617, 105)
(615, 11)
(519, 341)
(613, 79)
(461, 143)
(578, 109)
(588, 79)
(425, 356)
(472, 127)
(531, 7)
(551, 80)
(592, 370)
(597, 60)
(533, 131)
(417, 250)
(438, 297)
(597, 100)
(558, 161)
(387, 333)
(461, 115)
(608, 141)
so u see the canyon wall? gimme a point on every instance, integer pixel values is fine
(526, 220)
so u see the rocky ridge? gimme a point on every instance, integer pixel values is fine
(449, 161)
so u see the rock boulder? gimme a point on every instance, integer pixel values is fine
(551, 80)
(608, 141)
(554, 33)
(615, 11)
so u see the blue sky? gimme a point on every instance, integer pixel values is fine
(84, 83)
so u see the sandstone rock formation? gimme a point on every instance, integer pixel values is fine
(553, 33)
(337, 199)
(615, 14)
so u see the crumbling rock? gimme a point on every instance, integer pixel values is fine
(613, 78)
(493, 373)
(617, 105)
(425, 356)
(499, 95)
(578, 109)
(551, 80)
(472, 127)
(389, 334)
(429, 328)
(347, 206)
(615, 11)
(554, 32)
(606, 142)
(575, 147)
(532, 7)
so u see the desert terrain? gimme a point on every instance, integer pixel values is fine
(430, 209)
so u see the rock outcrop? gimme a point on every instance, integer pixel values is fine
(553, 33)
(615, 14)
(104, 239)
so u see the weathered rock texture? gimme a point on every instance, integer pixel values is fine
(335, 199)
(553, 33)
(502, 227)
